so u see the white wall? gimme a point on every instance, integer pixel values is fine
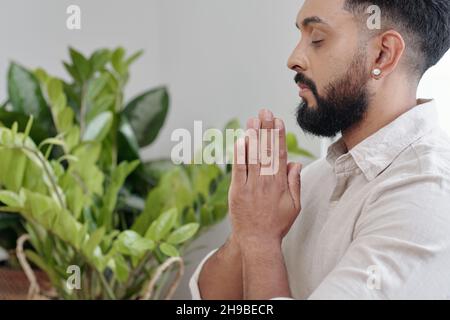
(436, 84)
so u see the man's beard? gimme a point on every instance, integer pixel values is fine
(344, 104)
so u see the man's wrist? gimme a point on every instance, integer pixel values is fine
(231, 248)
(264, 246)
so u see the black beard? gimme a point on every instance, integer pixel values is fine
(345, 102)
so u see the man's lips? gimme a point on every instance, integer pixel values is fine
(303, 88)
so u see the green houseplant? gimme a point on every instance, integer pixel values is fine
(75, 175)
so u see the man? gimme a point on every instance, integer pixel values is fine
(372, 219)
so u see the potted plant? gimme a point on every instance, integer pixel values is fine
(86, 197)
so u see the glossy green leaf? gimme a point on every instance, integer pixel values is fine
(162, 226)
(37, 132)
(174, 190)
(183, 233)
(131, 243)
(25, 94)
(169, 250)
(127, 141)
(117, 60)
(11, 199)
(94, 241)
(96, 86)
(99, 127)
(99, 59)
(147, 114)
(117, 180)
(81, 64)
(133, 58)
(202, 176)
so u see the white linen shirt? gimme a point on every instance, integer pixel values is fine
(375, 221)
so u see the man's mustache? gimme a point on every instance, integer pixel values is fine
(300, 78)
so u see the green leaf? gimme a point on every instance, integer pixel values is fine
(72, 71)
(118, 177)
(233, 124)
(55, 89)
(183, 233)
(104, 102)
(206, 215)
(147, 113)
(37, 133)
(127, 141)
(131, 243)
(202, 177)
(155, 169)
(41, 263)
(133, 58)
(51, 141)
(99, 127)
(174, 190)
(293, 148)
(162, 226)
(169, 250)
(117, 61)
(87, 154)
(81, 64)
(11, 199)
(99, 59)
(25, 94)
(94, 241)
(96, 86)
(121, 268)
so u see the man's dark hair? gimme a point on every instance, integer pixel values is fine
(424, 25)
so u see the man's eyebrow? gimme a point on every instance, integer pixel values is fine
(310, 20)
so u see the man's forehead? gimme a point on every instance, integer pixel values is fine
(327, 10)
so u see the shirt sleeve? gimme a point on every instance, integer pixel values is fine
(401, 245)
(193, 282)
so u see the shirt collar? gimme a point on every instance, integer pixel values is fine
(377, 152)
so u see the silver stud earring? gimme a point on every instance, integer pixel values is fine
(376, 72)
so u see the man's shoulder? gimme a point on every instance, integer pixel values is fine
(432, 153)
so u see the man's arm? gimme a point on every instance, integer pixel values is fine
(264, 271)
(221, 275)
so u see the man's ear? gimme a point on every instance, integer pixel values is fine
(389, 48)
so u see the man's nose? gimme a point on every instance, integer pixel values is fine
(297, 61)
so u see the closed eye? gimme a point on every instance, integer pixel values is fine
(317, 43)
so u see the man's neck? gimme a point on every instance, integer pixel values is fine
(382, 111)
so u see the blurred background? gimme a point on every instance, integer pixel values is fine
(219, 60)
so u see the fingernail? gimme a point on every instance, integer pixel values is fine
(268, 116)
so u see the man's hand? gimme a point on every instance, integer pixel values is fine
(262, 210)
(263, 207)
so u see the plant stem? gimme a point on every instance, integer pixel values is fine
(83, 107)
(106, 285)
(47, 172)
